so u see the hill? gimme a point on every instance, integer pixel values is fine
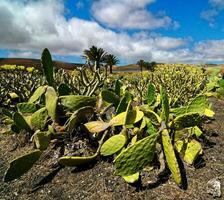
(36, 63)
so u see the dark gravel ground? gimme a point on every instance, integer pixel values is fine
(99, 182)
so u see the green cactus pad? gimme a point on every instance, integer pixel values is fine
(75, 161)
(26, 107)
(154, 118)
(21, 165)
(110, 97)
(75, 102)
(165, 105)
(64, 89)
(171, 157)
(113, 145)
(132, 178)
(15, 129)
(197, 131)
(192, 151)
(51, 100)
(41, 139)
(187, 120)
(198, 104)
(134, 116)
(96, 126)
(37, 94)
(39, 119)
(117, 88)
(150, 94)
(122, 106)
(136, 157)
(179, 111)
(47, 64)
(20, 122)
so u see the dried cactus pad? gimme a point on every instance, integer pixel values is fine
(113, 145)
(75, 102)
(136, 157)
(21, 165)
(96, 126)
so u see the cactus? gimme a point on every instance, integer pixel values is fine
(20, 122)
(171, 157)
(113, 145)
(187, 120)
(51, 101)
(96, 126)
(132, 178)
(150, 94)
(39, 119)
(75, 102)
(110, 97)
(41, 139)
(136, 157)
(21, 165)
(47, 65)
(26, 107)
(165, 105)
(37, 94)
(64, 89)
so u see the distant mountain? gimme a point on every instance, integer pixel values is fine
(36, 63)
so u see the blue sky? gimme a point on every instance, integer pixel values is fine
(154, 30)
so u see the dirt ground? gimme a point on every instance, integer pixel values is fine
(99, 182)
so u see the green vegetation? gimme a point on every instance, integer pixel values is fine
(144, 119)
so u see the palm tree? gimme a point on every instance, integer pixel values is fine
(111, 60)
(95, 55)
(141, 64)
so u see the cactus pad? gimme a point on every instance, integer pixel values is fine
(96, 126)
(150, 94)
(113, 145)
(51, 102)
(20, 122)
(171, 157)
(110, 97)
(75, 102)
(21, 165)
(39, 119)
(26, 107)
(187, 120)
(37, 94)
(74, 161)
(41, 139)
(136, 157)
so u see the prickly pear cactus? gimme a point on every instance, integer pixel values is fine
(96, 126)
(21, 165)
(171, 157)
(47, 65)
(73, 161)
(150, 94)
(26, 107)
(198, 104)
(39, 119)
(51, 101)
(37, 94)
(110, 97)
(75, 102)
(113, 145)
(122, 106)
(20, 122)
(41, 139)
(154, 118)
(165, 104)
(136, 157)
(187, 120)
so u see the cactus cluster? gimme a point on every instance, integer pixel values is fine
(136, 133)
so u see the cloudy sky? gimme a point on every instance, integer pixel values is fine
(189, 31)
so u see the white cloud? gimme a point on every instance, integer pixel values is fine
(29, 26)
(130, 14)
(23, 54)
(215, 7)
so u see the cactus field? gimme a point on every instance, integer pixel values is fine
(91, 134)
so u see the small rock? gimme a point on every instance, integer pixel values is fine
(214, 187)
